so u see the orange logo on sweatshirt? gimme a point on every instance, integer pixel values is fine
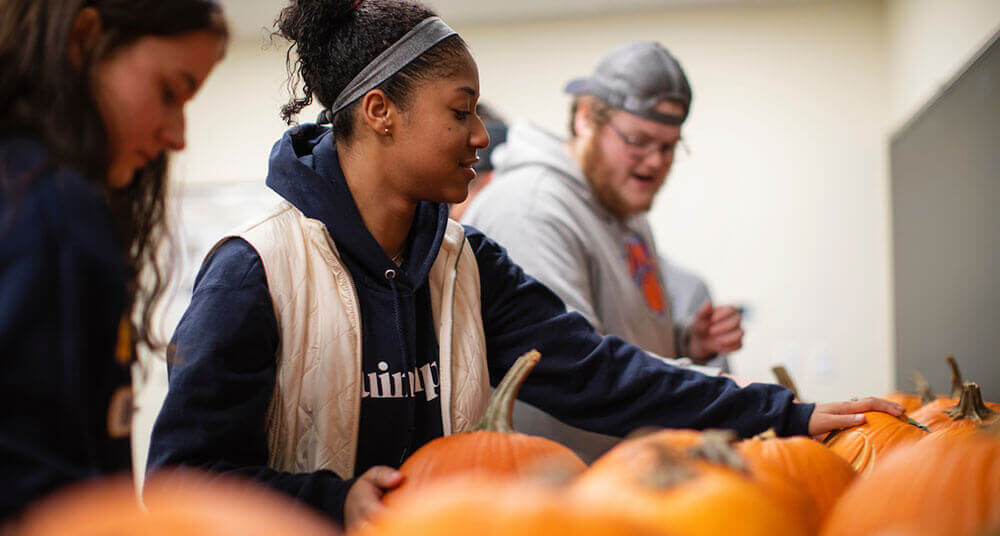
(645, 272)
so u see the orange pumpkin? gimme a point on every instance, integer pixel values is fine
(863, 445)
(492, 446)
(952, 434)
(177, 502)
(823, 475)
(680, 490)
(949, 486)
(967, 411)
(909, 401)
(486, 505)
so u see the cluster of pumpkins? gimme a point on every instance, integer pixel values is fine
(934, 471)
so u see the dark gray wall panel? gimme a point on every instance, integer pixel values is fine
(946, 231)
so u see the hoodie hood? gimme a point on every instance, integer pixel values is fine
(304, 169)
(530, 146)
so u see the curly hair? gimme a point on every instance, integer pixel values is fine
(333, 40)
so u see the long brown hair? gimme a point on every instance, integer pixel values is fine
(44, 97)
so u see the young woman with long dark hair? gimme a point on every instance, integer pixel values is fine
(91, 101)
(356, 322)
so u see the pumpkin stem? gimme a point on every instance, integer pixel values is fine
(670, 470)
(923, 388)
(673, 465)
(785, 379)
(971, 406)
(912, 422)
(717, 447)
(500, 409)
(956, 377)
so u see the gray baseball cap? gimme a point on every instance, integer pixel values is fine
(636, 77)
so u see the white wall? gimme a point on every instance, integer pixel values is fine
(233, 122)
(929, 42)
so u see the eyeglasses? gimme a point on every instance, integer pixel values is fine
(639, 149)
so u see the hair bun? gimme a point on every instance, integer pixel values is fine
(317, 18)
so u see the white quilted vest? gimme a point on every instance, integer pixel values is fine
(313, 419)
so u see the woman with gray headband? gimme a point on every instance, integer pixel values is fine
(355, 322)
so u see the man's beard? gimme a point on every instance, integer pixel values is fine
(596, 169)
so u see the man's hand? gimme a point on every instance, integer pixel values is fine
(364, 499)
(715, 330)
(835, 415)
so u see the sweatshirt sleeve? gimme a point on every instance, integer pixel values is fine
(601, 383)
(222, 375)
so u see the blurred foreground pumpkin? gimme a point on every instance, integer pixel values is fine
(945, 485)
(176, 503)
(701, 490)
(810, 465)
(864, 445)
(492, 446)
(489, 505)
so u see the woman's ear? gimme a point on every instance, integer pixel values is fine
(378, 112)
(83, 35)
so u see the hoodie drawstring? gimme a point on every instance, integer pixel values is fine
(390, 275)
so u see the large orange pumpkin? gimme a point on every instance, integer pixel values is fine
(485, 505)
(967, 411)
(678, 489)
(492, 446)
(816, 469)
(176, 502)
(863, 445)
(946, 485)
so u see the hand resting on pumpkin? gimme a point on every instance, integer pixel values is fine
(835, 415)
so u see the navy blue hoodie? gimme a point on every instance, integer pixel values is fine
(224, 371)
(62, 291)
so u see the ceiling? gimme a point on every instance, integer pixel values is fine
(253, 18)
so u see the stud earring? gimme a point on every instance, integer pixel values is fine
(386, 132)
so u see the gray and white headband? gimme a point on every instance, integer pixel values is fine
(420, 39)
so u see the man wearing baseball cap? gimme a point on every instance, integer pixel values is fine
(572, 214)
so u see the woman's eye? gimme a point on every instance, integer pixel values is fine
(460, 115)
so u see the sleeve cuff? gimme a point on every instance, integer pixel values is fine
(797, 422)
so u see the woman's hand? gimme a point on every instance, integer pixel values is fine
(835, 415)
(364, 499)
